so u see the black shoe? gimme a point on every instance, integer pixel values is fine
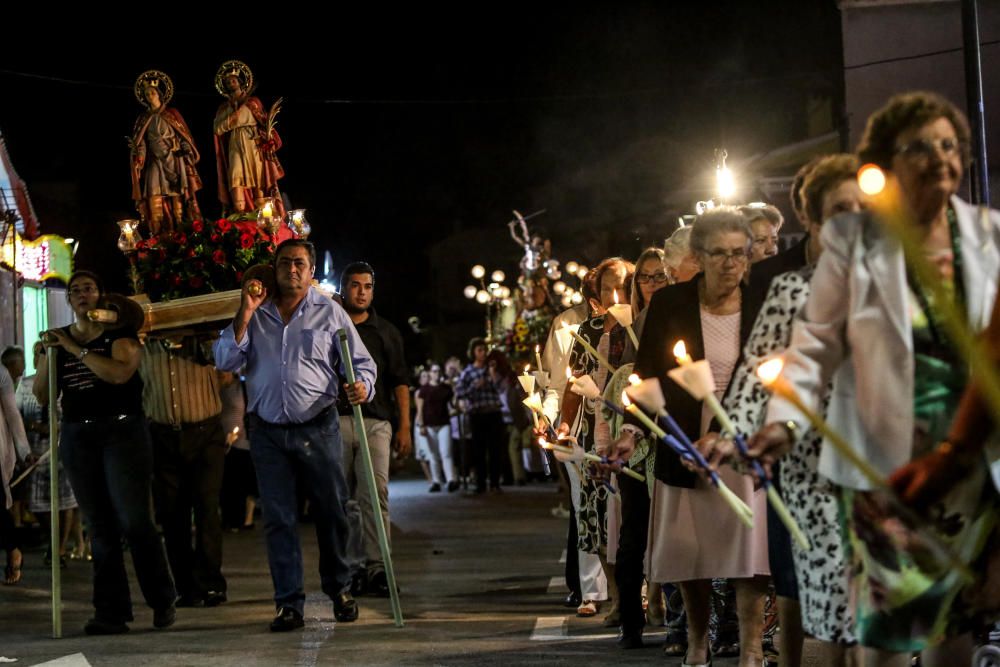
(359, 584)
(630, 640)
(435, 488)
(572, 600)
(286, 620)
(164, 618)
(96, 626)
(453, 486)
(378, 585)
(215, 598)
(190, 600)
(345, 609)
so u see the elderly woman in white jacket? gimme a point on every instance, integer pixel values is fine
(873, 330)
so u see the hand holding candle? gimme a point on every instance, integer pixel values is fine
(769, 373)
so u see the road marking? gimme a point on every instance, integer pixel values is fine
(74, 660)
(549, 628)
(557, 585)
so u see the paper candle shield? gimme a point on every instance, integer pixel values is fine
(648, 394)
(584, 386)
(696, 378)
(527, 383)
(533, 402)
(622, 312)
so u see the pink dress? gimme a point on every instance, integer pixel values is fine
(692, 532)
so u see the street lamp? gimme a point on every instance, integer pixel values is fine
(494, 293)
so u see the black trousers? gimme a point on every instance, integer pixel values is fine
(187, 477)
(239, 482)
(489, 439)
(631, 551)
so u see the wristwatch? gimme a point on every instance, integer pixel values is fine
(83, 352)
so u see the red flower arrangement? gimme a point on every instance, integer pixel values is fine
(200, 258)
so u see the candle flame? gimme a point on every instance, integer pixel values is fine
(544, 444)
(569, 374)
(615, 295)
(680, 353)
(538, 349)
(267, 210)
(871, 179)
(634, 380)
(625, 400)
(769, 371)
(526, 367)
(236, 430)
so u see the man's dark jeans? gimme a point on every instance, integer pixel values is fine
(311, 455)
(110, 466)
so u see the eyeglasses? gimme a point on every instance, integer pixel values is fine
(922, 150)
(86, 289)
(720, 256)
(658, 278)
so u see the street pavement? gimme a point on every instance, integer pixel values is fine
(481, 585)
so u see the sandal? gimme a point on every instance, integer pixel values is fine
(12, 573)
(587, 609)
(675, 644)
(685, 663)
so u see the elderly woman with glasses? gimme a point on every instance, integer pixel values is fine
(875, 331)
(694, 536)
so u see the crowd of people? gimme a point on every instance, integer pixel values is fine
(864, 342)
(863, 339)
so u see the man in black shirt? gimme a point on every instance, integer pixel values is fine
(385, 344)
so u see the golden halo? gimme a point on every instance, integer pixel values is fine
(157, 79)
(242, 72)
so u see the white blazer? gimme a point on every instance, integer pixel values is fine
(855, 329)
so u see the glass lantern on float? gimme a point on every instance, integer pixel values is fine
(129, 235)
(267, 219)
(296, 221)
(127, 243)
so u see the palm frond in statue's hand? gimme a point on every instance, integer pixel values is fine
(272, 117)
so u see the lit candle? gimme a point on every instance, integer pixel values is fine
(622, 312)
(538, 357)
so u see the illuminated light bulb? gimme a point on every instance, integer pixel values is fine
(478, 271)
(498, 276)
(559, 287)
(572, 267)
(482, 296)
(470, 291)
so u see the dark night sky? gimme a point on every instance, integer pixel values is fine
(457, 118)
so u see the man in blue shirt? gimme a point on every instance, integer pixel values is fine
(288, 346)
